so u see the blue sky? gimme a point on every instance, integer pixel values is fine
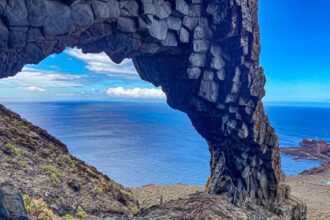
(295, 38)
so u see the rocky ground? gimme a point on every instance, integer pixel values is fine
(40, 166)
(305, 187)
(150, 195)
(308, 188)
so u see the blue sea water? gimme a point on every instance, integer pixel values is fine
(142, 143)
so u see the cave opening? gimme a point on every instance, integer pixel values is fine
(110, 118)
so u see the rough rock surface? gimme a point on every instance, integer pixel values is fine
(207, 64)
(40, 166)
(12, 206)
(208, 206)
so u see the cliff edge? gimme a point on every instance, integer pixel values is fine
(40, 166)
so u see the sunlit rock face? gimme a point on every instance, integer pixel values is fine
(203, 53)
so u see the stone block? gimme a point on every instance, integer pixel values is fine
(151, 48)
(233, 109)
(144, 22)
(209, 90)
(170, 40)
(173, 23)
(163, 9)
(181, 7)
(16, 13)
(129, 8)
(217, 63)
(195, 10)
(126, 25)
(244, 101)
(17, 38)
(158, 29)
(221, 74)
(36, 12)
(34, 35)
(148, 7)
(208, 75)
(82, 14)
(237, 75)
(58, 20)
(215, 50)
(201, 46)
(33, 54)
(235, 87)
(231, 98)
(184, 35)
(197, 59)
(105, 10)
(189, 22)
(194, 72)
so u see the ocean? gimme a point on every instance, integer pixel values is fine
(139, 143)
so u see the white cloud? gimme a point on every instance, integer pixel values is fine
(35, 89)
(101, 63)
(136, 93)
(30, 77)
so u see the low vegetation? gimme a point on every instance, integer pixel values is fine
(53, 172)
(37, 208)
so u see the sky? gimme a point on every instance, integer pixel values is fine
(295, 38)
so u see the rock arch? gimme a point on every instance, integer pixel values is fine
(203, 53)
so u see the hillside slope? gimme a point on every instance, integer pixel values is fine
(40, 166)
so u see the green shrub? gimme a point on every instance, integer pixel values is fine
(14, 150)
(69, 160)
(68, 217)
(99, 190)
(53, 172)
(81, 213)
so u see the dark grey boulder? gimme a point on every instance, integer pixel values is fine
(181, 7)
(36, 12)
(194, 72)
(34, 35)
(58, 20)
(16, 13)
(105, 10)
(201, 46)
(170, 40)
(82, 14)
(197, 59)
(126, 25)
(129, 8)
(174, 23)
(189, 22)
(163, 9)
(158, 29)
(148, 7)
(209, 90)
(184, 35)
(17, 38)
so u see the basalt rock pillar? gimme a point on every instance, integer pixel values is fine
(204, 54)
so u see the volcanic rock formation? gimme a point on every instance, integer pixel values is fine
(203, 53)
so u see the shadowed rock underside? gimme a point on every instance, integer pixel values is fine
(203, 54)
